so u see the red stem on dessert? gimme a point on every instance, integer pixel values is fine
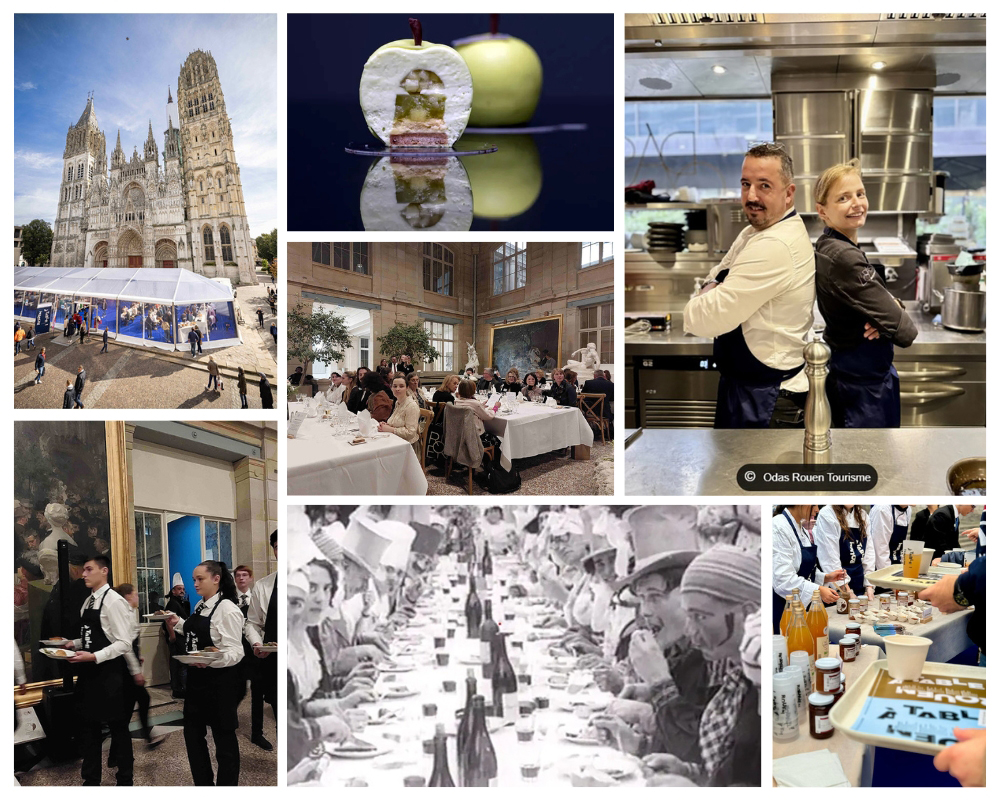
(417, 30)
(494, 24)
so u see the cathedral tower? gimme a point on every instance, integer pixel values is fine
(221, 243)
(85, 154)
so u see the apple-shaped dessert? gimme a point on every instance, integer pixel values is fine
(506, 77)
(415, 93)
(417, 194)
(508, 182)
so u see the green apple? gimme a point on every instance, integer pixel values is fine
(505, 183)
(506, 79)
(415, 92)
(419, 194)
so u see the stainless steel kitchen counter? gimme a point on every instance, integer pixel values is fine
(931, 341)
(911, 462)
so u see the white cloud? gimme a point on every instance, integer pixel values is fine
(36, 160)
(25, 86)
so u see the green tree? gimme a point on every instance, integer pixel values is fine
(316, 336)
(267, 245)
(272, 268)
(409, 340)
(36, 243)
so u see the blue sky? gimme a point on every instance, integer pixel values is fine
(128, 61)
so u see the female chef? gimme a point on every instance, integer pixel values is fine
(842, 542)
(889, 526)
(213, 691)
(795, 563)
(863, 319)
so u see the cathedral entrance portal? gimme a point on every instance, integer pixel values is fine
(166, 253)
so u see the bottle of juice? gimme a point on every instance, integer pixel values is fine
(786, 615)
(819, 625)
(800, 638)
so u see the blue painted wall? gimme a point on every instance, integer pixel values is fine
(184, 549)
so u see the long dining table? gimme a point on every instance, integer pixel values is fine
(418, 689)
(322, 461)
(536, 428)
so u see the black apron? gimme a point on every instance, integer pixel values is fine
(269, 666)
(807, 570)
(101, 688)
(748, 389)
(980, 547)
(897, 538)
(213, 694)
(851, 559)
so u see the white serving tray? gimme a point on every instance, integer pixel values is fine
(846, 711)
(886, 578)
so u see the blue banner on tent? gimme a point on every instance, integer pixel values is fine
(43, 319)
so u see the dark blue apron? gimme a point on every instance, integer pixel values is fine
(852, 559)
(212, 693)
(897, 538)
(807, 570)
(748, 389)
(980, 547)
(101, 688)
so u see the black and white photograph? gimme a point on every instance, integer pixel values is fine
(510, 646)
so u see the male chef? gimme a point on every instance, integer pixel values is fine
(262, 626)
(757, 303)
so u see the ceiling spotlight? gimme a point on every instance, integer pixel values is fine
(657, 43)
(718, 69)
(878, 65)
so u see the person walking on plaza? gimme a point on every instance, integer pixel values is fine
(197, 332)
(29, 338)
(104, 340)
(81, 381)
(262, 627)
(213, 375)
(266, 398)
(241, 384)
(274, 332)
(40, 366)
(83, 332)
(193, 340)
(18, 338)
(260, 317)
(103, 693)
(68, 395)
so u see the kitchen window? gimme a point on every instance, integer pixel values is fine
(510, 268)
(597, 326)
(149, 563)
(439, 269)
(593, 253)
(219, 541)
(442, 336)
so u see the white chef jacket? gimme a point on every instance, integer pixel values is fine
(226, 629)
(827, 534)
(786, 559)
(335, 394)
(880, 524)
(769, 292)
(116, 620)
(260, 599)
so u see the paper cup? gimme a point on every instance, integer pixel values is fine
(925, 560)
(905, 656)
(779, 653)
(911, 557)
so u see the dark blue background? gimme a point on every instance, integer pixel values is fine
(327, 52)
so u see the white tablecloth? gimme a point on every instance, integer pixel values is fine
(320, 463)
(535, 429)
(946, 632)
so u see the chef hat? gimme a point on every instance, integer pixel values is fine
(427, 540)
(298, 580)
(397, 554)
(178, 581)
(725, 572)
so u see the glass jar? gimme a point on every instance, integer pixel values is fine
(853, 628)
(828, 674)
(820, 726)
(853, 608)
(848, 648)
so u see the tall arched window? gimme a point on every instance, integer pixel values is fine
(206, 239)
(227, 248)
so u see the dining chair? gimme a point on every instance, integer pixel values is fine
(423, 428)
(592, 406)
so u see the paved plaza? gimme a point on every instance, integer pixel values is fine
(130, 376)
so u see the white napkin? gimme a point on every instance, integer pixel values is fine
(551, 401)
(366, 425)
(820, 768)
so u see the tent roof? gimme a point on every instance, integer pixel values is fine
(142, 284)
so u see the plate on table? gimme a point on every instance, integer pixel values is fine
(57, 652)
(399, 666)
(359, 748)
(398, 692)
(564, 664)
(611, 766)
(558, 681)
(595, 703)
(194, 661)
(383, 716)
(582, 734)
(470, 661)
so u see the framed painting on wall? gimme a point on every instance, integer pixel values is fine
(527, 345)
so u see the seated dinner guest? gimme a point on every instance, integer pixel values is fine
(335, 394)
(563, 389)
(467, 399)
(405, 416)
(513, 382)
(445, 393)
(601, 385)
(413, 389)
(379, 402)
(531, 389)
(489, 382)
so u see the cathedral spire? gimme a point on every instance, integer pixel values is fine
(118, 156)
(149, 151)
(170, 97)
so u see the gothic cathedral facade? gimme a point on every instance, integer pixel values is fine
(187, 213)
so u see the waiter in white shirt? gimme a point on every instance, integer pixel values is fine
(262, 626)
(243, 575)
(102, 692)
(889, 526)
(213, 690)
(757, 303)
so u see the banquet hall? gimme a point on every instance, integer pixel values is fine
(505, 348)
(519, 645)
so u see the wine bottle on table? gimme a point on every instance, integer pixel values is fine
(505, 703)
(487, 566)
(465, 726)
(479, 759)
(487, 630)
(440, 775)
(473, 610)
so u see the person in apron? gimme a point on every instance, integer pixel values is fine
(103, 693)
(140, 696)
(213, 690)
(889, 526)
(843, 542)
(262, 627)
(795, 561)
(757, 303)
(863, 320)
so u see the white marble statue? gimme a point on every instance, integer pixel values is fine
(473, 359)
(57, 515)
(590, 362)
